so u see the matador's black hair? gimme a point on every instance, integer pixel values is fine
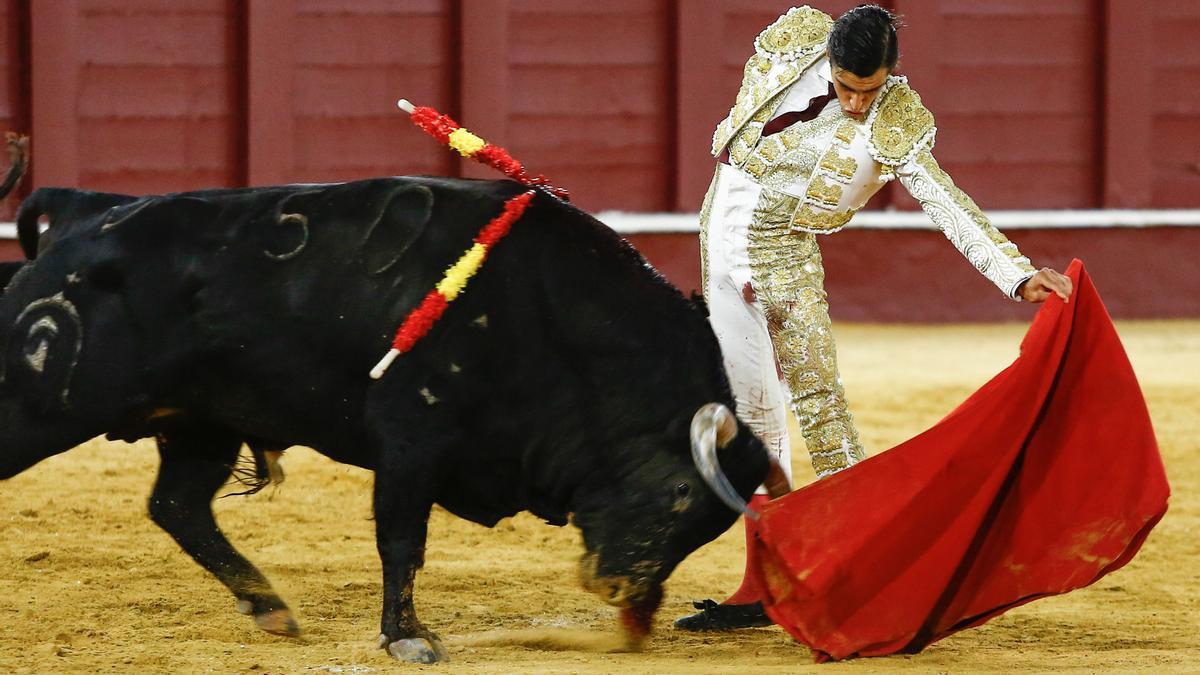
(864, 39)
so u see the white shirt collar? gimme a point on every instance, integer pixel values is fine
(825, 70)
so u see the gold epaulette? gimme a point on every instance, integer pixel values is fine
(800, 31)
(900, 126)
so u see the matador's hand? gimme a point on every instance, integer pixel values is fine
(1043, 283)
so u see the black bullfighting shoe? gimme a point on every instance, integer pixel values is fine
(714, 617)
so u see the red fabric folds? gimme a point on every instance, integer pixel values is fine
(1043, 481)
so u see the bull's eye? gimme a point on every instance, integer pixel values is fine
(683, 490)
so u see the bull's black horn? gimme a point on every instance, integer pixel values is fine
(710, 418)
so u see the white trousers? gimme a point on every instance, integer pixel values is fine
(737, 317)
(764, 287)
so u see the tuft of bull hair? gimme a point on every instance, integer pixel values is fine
(255, 471)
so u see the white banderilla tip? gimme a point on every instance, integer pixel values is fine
(381, 367)
(404, 105)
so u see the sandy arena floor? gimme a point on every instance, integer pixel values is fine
(89, 584)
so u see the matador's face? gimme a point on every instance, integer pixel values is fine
(856, 93)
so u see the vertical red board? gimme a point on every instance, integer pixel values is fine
(157, 95)
(1015, 89)
(1174, 146)
(590, 99)
(14, 92)
(353, 59)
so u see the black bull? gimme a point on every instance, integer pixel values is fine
(564, 381)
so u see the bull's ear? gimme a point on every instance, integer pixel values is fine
(402, 219)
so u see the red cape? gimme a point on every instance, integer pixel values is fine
(1043, 481)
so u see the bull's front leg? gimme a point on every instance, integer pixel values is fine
(402, 504)
(195, 464)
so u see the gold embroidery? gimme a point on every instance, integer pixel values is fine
(705, 214)
(845, 132)
(757, 99)
(964, 202)
(801, 30)
(788, 175)
(752, 131)
(791, 156)
(900, 124)
(738, 152)
(774, 209)
(823, 193)
(841, 167)
(755, 167)
(768, 150)
(789, 277)
(808, 219)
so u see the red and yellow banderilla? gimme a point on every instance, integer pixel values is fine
(421, 319)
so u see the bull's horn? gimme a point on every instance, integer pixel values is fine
(710, 425)
(727, 428)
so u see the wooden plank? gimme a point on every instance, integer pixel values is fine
(1128, 120)
(701, 101)
(484, 75)
(14, 85)
(55, 96)
(269, 91)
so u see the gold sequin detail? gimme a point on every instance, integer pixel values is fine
(842, 167)
(768, 150)
(788, 278)
(825, 194)
(812, 220)
(900, 123)
(755, 167)
(845, 133)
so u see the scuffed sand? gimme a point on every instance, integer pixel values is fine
(89, 584)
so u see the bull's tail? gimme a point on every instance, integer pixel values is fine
(33, 208)
(18, 152)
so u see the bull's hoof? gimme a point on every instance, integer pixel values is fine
(278, 622)
(415, 650)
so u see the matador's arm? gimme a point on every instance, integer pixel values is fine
(964, 224)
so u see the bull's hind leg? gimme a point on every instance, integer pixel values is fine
(195, 464)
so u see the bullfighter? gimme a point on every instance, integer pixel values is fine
(820, 124)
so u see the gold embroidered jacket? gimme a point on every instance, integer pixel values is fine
(823, 171)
